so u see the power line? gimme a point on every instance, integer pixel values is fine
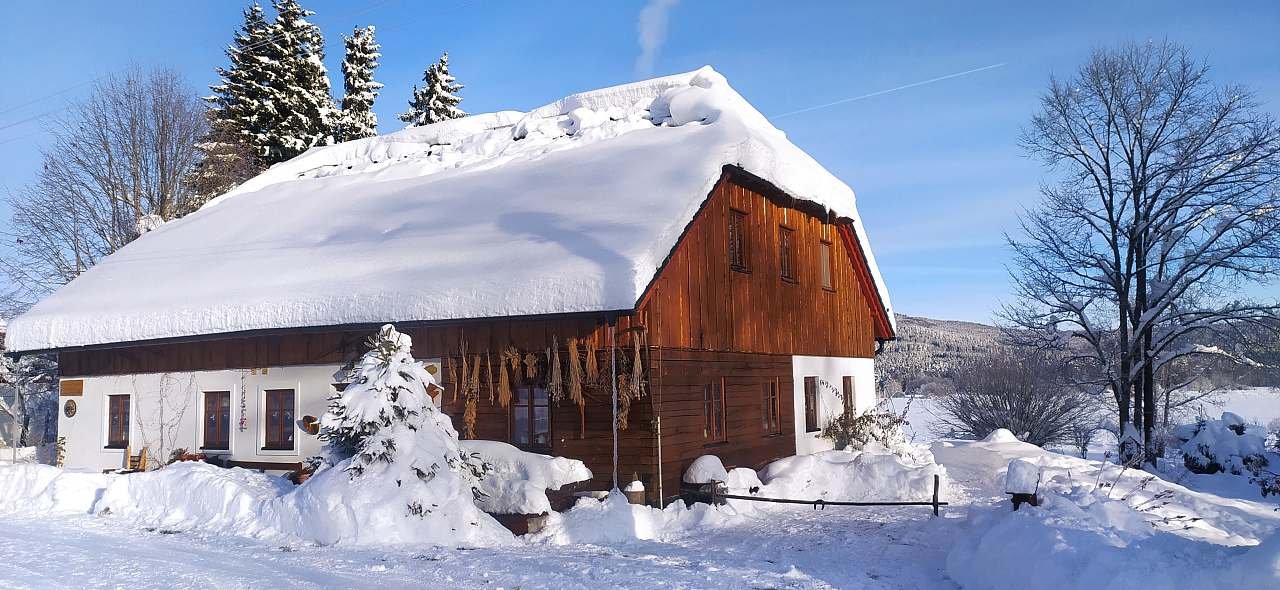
(887, 91)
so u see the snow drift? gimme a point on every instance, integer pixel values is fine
(519, 480)
(1103, 526)
(870, 475)
(570, 207)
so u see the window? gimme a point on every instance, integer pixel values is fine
(217, 420)
(531, 418)
(848, 396)
(279, 420)
(785, 249)
(771, 417)
(739, 253)
(713, 412)
(811, 404)
(824, 259)
(117, 421)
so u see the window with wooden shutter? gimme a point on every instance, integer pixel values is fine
(848, 396)
(739, 246)
(279, 420)
(786, 256)
(217, 420)
(117, 421)
(770, 411)
(824, 260)
(713, 412)
(811, 404)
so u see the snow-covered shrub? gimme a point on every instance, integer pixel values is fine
(878, 425)
(705, 469)
(1224, 445)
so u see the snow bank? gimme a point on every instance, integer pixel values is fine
(1081, 541)
(1102, 526)
(519, 480)
(571, 207)
(869, 475)
(33, 489)
(192, 494)
(614, 520)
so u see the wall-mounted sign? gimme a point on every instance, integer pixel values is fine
(71, 387)
(69, 408)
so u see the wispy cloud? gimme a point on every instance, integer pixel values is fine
(881, 92)
(652, 26)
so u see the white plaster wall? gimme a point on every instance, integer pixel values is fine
(176, 400)
(830, 399)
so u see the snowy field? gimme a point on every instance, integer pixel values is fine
(1099, 527)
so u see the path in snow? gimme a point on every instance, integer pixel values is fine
(794, 547)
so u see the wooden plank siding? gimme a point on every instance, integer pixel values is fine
(700, 320)
(698, 302)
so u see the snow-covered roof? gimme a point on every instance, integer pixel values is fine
(571, 207)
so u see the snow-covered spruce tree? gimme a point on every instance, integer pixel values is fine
(240, 112)
(298, 84)
(359, 88)
(438, 100)
(384, 435)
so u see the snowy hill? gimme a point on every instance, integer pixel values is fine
(928, 348)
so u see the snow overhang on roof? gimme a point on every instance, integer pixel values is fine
(571, 207)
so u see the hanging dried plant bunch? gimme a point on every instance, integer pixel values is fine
(463, 386)
(624, 400)
(469, 419)
(473, 388)
(530, 366)
(453, 377)
(637, 370)
(593, 367)
(630, 384)
(555, 386)
(575, 373)
(488, 375)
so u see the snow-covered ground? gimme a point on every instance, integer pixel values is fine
(1099, 527)
(793, 547)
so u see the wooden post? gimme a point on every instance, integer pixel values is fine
(936, 483)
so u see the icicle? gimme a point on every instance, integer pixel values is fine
(575, 373)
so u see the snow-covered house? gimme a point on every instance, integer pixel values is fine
(663, 232)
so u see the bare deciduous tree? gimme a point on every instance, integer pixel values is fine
(119, 159)
(1164, 202)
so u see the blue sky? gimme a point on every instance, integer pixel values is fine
(936, 167)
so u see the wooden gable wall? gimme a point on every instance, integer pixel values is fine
(698, 302)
